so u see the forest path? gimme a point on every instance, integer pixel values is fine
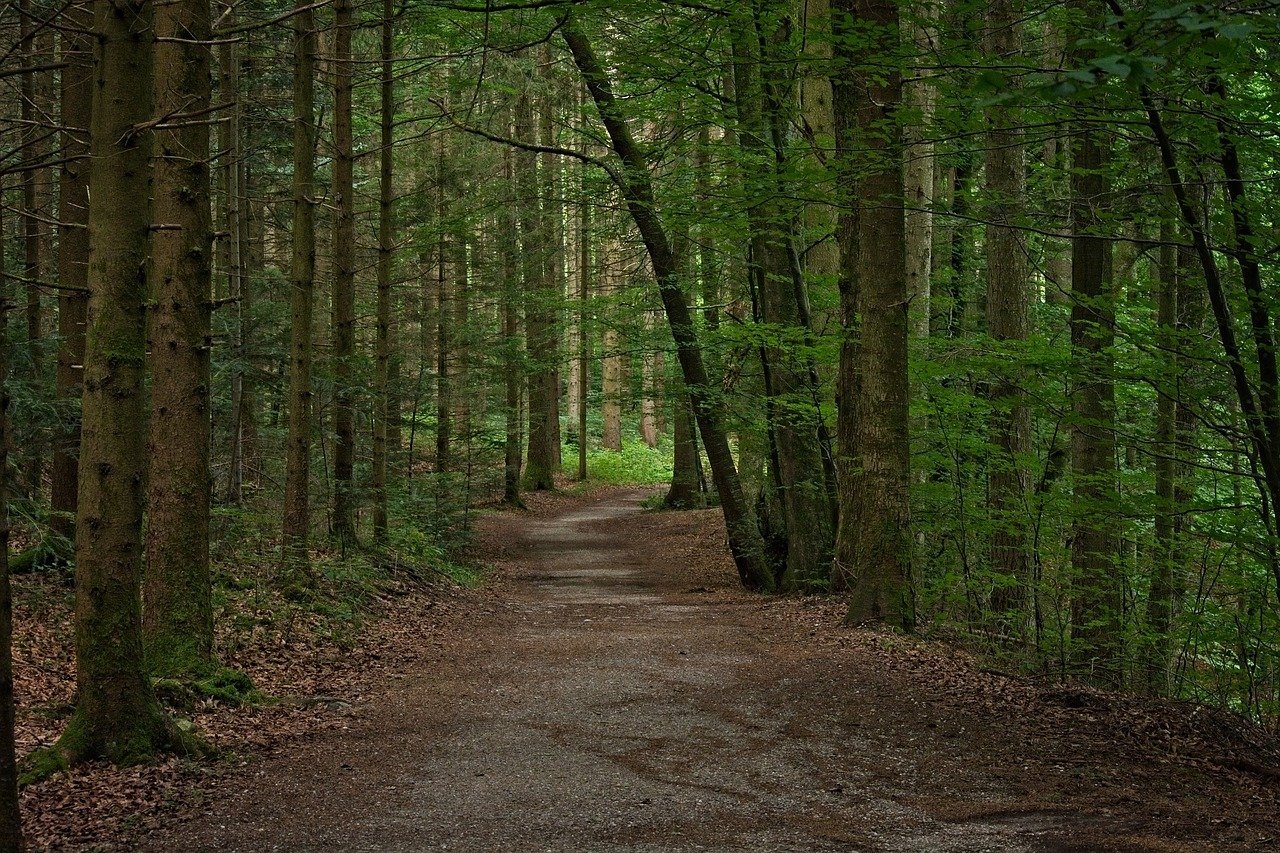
(618, 692)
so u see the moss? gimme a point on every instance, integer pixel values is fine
(220, 683)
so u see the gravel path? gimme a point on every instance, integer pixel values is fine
(610, 699)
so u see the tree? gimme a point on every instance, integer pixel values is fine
(297, 505)
(873, 544)
(634, 183)
(344, 280)
(1008, 321)
(76, 83)
(10, 816)
(178, 616)
(384, 394)
(117, 716)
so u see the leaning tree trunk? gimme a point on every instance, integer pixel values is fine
(178, 617)
(637, 190)
(117, 716)
(344, 281)
(873, 545)
(297, 499)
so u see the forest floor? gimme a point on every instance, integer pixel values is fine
(613, 688)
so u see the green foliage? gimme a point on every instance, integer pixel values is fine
(637, 464)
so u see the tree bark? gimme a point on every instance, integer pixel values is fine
(1008, 320)
(1097, 642)
(544, 289)
(873, 544)
(297, 499)
(117, 716)
(344, 280)
(637, 191)
(512, 372)
(177, 593)
(791, 384)
(73, 256)
(386, 257)
(11, 840)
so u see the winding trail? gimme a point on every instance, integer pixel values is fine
(614, 698)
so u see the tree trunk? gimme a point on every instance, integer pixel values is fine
(1097, 641)
(297, 499)
(10, 818)
(34, 152)
(873, 545)
(117, 716)
(649, 390)
(344, 280)
(386, 257)
(509, 247)
(1007, 315)
(233, 253)
(791, 386)
(919, 95)
(637, 190)
(178, 614)
(611, 359)
(1160, 600)
(544, 288)
(73, 256)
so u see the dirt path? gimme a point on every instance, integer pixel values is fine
(621, 694)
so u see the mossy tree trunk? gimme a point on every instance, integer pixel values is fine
(117, 716)
(178, 613)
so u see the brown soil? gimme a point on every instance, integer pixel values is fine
(616, 690)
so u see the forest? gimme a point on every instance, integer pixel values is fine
(961, 315)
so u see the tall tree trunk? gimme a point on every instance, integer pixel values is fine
(117, 716)
(649, 389)
(34, 152)
(178, 614)
(919, 95)
(1097, 602)
(873, 545)
(386, 257)
(297, 499)
(11, 840)
(73, 255)
(544, 290)
(344, 280)
(791, 383)
(443, 344)
(611, 378)
(1008, 301)
(637, 191)
(233, 251)
(512, 374)
(584, 335)
(1157, 648)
